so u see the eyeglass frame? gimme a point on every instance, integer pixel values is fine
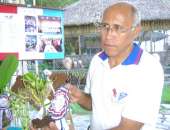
(114, 27)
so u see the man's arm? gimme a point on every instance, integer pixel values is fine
(127, 124)
(85, 101)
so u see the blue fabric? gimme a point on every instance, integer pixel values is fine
(133, 58)
(103, 55)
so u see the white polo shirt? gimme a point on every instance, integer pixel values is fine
(132, 90)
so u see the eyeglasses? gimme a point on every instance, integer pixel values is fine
(105, 27)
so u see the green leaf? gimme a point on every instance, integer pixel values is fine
(7, 69)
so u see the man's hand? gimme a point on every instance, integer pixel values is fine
(78, 96)
(74, 93)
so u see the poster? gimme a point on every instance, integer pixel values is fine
(31, 33)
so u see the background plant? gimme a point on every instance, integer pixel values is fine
(34, 89)
(30, 96)
(20, 111)
(54, 3)
(7, 69)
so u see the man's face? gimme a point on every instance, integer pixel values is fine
(117, 33)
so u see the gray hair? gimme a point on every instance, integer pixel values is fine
(136, 13)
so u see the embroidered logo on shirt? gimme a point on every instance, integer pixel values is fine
(122, 95)
(118, 95)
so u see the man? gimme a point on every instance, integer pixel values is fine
(124, 83)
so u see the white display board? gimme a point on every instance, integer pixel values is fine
(31, 33)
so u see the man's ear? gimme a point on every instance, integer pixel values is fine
(137, 31)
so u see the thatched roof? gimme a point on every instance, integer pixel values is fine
(89, 11)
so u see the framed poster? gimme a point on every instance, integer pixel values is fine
(31, 33)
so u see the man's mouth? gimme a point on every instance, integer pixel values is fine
(109, 45)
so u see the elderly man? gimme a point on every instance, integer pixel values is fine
(124, 83)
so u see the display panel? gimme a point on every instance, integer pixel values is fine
(31, 33)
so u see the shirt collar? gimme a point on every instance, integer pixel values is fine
(133, 58)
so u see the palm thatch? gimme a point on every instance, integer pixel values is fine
(154, 13)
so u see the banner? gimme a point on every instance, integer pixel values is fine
(31, 33)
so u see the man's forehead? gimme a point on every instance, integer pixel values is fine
(121, 7)
(120, 11)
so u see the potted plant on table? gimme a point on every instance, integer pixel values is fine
(33, 90)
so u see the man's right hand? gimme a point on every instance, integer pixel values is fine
(74, 93)
(78, 96)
